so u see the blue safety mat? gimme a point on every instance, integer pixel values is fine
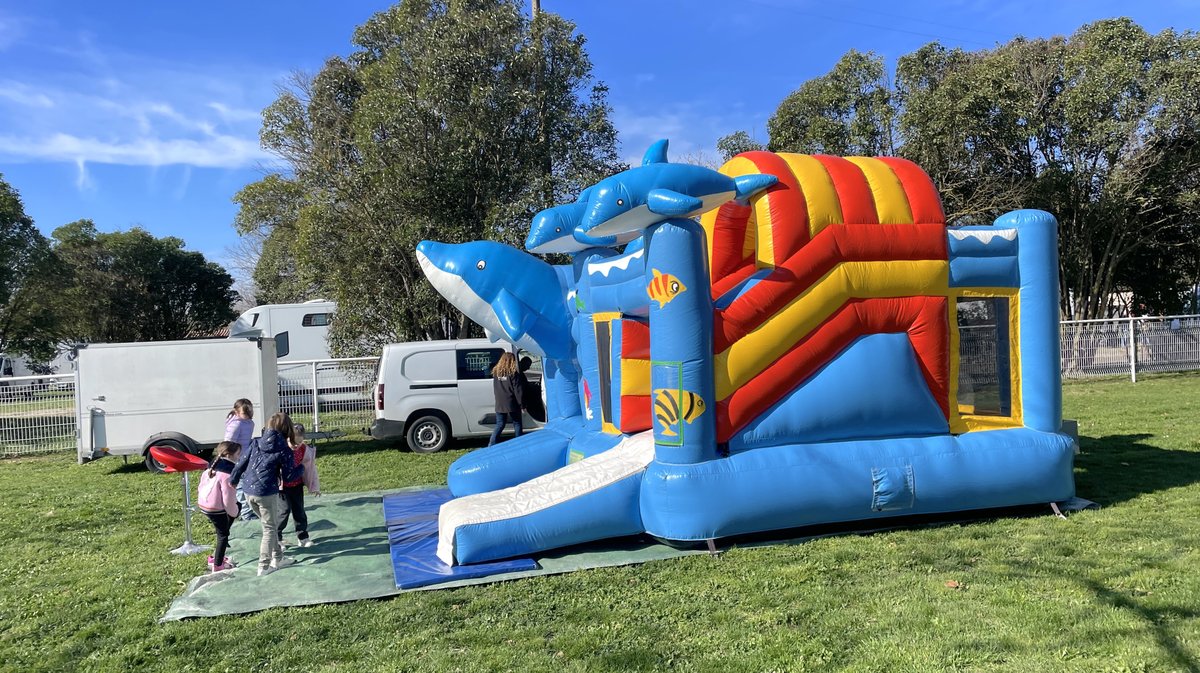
(411, 519)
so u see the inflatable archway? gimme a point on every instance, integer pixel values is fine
(819, 347)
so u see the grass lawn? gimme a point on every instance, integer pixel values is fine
(84, 574)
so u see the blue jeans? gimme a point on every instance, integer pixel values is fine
(502, 420)
(245, 513)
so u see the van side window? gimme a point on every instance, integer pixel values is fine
(282, 348)
(315, 320)
(477, 363)
(254, 319)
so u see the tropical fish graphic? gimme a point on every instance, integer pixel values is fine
(670, 405)
(664, 287)
(587, 400)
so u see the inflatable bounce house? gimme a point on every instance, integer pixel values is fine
(818, 346)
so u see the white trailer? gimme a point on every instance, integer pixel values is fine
(300, 331)
(301, 334)
(132, 396)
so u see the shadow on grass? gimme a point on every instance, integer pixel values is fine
(1094, 580)
(1116, 468)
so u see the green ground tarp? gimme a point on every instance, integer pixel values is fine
(351, 560)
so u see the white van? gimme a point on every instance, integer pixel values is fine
(429, 392)
(131, 396)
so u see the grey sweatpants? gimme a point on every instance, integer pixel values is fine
(269, 509)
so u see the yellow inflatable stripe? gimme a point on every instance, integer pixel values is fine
(891, 202)
(824, 208)
(758, 229)
(753, 353)
(635, 376)
(708, 221)
(735, 167)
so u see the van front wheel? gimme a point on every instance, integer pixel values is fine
(427, 434)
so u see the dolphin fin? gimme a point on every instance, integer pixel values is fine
(657, 154)
(492, 336)
(513, 315)
(749, 185)
(670, 203)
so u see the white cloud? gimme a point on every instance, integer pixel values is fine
(24, 95)
(692, 128)
(88, 103)
(12, 29)
(219, 151)
(231, 114)
(83, 180)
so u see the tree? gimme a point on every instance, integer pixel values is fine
(452, 121)
(131, 286)
(737, 142)
(28, 323)
(847, 111)
(1099, 129)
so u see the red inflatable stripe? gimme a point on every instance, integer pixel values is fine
(854, 193)
(922, 195)
(635, 414)
(832, 246)
(729, 239)
(923, 318)
(635, 339)
(731, 281)
(785, 203)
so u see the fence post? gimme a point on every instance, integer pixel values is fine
(1132, 350)
(316, 419)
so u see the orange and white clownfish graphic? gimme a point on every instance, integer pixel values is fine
(664, 287)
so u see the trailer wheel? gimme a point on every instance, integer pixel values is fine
(427, 434)
(155, 466)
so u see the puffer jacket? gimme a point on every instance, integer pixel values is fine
(239, 430)
(267, 462)
(216, 494)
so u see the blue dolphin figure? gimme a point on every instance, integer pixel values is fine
(622, 205)
(553, 229)
(512, 294)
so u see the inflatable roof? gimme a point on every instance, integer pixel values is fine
(818, 347)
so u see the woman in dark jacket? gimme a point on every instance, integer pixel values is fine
(509, 385)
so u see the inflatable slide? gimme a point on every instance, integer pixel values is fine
(790, 340)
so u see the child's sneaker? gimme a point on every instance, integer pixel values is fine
(210, 564)
(282, 562)
(306, 542)
(265, 571)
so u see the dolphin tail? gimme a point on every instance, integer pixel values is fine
(749, 185)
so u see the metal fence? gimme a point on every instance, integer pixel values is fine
(328, 396)
(1129, 346)
(331, 397)
(37, 414)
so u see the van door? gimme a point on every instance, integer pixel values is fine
(474, 370)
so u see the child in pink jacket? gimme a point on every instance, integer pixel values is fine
(218, 500)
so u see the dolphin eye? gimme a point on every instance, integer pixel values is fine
(480, 265)
(558, 230)
(620, 202)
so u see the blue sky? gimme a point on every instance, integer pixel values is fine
(147, 113)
